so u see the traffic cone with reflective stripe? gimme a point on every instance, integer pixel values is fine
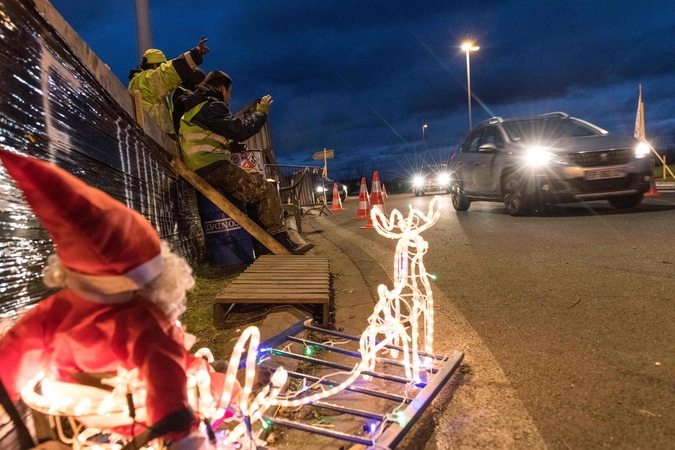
(364, 210)
(337, 201)
(369, 225)
(384, 191)
(652, 192)
(376, 198)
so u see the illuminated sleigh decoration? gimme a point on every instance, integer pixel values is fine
(99, 411)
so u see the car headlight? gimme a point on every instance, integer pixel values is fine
(540, 156)
(642, 150)
(320, 189)
(443, 179)
(418, 181)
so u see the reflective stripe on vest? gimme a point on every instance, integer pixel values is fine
(201, 147)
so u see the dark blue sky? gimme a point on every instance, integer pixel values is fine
(362, 77)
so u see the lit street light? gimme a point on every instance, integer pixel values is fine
(468, 47)
(423, 128)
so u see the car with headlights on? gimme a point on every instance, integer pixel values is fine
(548, 159)
(324, 187)
(431, 178)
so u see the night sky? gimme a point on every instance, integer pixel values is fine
(362, 77)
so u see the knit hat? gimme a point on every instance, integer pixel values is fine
(154, 56)
(104, 246)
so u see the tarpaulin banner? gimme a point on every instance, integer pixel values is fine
(53, 108)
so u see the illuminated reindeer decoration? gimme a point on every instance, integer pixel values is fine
(411, 299)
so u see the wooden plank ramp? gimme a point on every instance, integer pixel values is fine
(279, 279)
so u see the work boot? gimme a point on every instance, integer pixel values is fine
(297, 249)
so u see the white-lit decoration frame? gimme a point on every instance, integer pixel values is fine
(408, 304)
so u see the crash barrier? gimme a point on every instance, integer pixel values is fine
(273, 279)
(376, 413)
(301, 186)
(227, 243)
(63, 105)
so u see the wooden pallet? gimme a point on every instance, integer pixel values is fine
(279, 279)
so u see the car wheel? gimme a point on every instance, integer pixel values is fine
(459, 200)
(514, 199)
(626, 201)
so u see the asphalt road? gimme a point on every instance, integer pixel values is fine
(574, 310)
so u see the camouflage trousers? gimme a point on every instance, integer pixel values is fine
(250, 187)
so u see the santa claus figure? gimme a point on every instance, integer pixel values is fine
(123, 291)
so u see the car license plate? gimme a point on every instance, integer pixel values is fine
(601, 174)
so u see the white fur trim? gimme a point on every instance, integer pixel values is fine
(114, 284)
(147, 271)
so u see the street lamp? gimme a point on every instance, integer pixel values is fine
(468, 47)
(423, 128)
(143, 35)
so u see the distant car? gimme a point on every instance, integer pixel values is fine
(324, 186)
(552, 158)
(431, 178)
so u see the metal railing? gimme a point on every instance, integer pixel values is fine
(301, 186)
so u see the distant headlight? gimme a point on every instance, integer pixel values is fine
(418, 181)
(320, 189)
(642, 150)
(443, 179)
(540, 156)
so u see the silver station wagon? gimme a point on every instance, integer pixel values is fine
(552, 158)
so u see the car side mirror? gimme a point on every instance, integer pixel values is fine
(487, 148)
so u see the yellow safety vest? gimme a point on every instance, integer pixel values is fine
(201, 147)
(155, 86)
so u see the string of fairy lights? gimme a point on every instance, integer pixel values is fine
(403, 317)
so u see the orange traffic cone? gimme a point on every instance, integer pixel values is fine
(364, 210)
(369, 225)
(652, 192)
(376, 198)
(384, 191)
(337, 202)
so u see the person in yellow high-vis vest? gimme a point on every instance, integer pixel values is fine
(209, 133)
(156, 79)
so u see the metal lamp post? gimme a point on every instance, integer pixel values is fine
(423, 128)
(468, 47)
(143, 26)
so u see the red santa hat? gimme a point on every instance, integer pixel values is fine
(104, 246)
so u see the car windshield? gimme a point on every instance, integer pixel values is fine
(434, 168)
(549, 128)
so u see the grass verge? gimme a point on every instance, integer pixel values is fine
(198, 318)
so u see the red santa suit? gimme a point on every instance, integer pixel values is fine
(107, 253)
(69, 334)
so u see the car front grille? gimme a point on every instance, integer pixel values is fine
(600, 158)
(608, 185)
